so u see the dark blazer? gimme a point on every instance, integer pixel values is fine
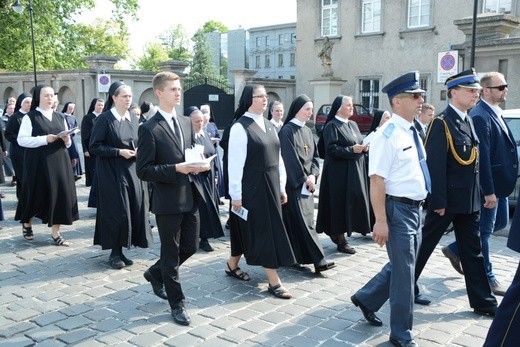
(86, 130)
(455, 187)
(498, 157)
(157, 155)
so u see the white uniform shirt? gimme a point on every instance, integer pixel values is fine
(394, 157)
(25, 138)
(237, 152)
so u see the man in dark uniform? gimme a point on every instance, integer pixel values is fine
(452, 152)
(399, 181)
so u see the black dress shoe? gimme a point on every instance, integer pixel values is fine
(346, 248)
(180, 316)
(158, 287)
(421, 300)
(487, 311)
(399, 343)
(369, 315)
(128, 262)
(205, 246)
(116, 262)
(324, 267)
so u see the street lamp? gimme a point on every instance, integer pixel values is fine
(18, 8)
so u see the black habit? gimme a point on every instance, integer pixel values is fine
(48, 188)
(17, 152)
(344, 201)
(86, 131)
(210, 225)
(122, 198)
(300, 157)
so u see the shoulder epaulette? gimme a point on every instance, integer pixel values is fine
(389, 130)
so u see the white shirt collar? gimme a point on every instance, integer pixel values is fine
(118, 116)
(498, 111)
(297, 122)
(47, 113)
(341, 119)
(461, 114)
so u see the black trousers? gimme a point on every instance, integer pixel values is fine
(179, 234)
(466, 228)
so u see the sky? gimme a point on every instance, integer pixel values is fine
(156, 16)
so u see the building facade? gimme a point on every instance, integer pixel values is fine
(376, 40)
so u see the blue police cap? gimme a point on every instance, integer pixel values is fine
(407, 83)
(465, 79)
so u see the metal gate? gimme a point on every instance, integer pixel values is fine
(211, 91)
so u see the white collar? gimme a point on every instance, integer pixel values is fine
(297, 122)
(118, 116)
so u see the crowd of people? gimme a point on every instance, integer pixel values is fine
(462, 163)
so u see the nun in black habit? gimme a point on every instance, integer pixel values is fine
(122, 198)
(94, 110)
(72, 122)
(257, 183)
(344, 205)
(210, 225)
(22, 106)
(300, 157)
(48, 189)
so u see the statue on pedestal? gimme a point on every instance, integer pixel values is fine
(326, 57)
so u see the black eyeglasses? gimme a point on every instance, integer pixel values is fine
(500, 88)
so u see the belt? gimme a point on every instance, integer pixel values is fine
(416, 203)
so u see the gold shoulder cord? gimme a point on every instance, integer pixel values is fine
(474, 152)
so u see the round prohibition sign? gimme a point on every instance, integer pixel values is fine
(104, 80)
(447, 62)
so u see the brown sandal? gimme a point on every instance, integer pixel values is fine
(27, 233)
(279, 291)
(244, 276)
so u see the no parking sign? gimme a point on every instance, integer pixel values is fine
(103, 83)
(447, 65)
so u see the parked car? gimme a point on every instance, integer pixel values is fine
(361, 116)
(512, 118)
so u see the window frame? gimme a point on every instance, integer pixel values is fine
(329, 12)
(369, 98)
(420, 5)
(498, 2)
(373, 20)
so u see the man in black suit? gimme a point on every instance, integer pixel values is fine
(498, 168)
(423, 119)
(160, 159)
(452, 157)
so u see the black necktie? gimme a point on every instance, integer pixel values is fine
(422, 160)
(177, 132)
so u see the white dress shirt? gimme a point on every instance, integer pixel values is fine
(25, 138)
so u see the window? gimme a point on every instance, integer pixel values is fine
(293, 38)
(280, 60)
(292, 61)
(280, 40)
(267, 41)
(423, 82)
(369, 93)
(418, 13)
(258, 41)
(329, 17)
(257, 62)
(371, 16)
(497, 6)
(267, 61)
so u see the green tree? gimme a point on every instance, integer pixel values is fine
(61, 43)
(211, 26)
(176, 42)
(202, 62)
(154, 53)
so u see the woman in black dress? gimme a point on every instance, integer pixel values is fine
(22, 106)
(300, 157)
(257, 183)
(122, 199)
(94, 110)
(344, 201)
(210, 225)
(48, 189)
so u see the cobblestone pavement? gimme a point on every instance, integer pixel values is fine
(54, 296)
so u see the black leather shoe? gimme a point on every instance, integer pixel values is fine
(487, 311)
(399, 343)
(324, 267)
(128, 262)
(180, 316)
(369, 315)
(116, 262)
(206, 247)
(158, 287)
(346, 248)
(421, 300)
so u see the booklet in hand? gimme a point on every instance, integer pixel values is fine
(68, 132)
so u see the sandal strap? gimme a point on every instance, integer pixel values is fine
(59, 241)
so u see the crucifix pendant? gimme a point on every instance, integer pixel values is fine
(305, 148)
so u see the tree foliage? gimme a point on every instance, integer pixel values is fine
(211, 26)
(154, 53)
(60, 42)
(202, 63)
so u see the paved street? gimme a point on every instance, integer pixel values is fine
(54, 296)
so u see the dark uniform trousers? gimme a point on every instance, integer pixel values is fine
(466, 228)
(179, 234)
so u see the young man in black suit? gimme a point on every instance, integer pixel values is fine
(161, 145)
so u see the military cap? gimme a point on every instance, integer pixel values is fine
(406, 83)
(465, 79)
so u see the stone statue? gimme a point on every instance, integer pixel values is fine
(326, 56)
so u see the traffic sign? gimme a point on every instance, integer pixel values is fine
(447, 65)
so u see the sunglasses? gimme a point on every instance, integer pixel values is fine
(415, 96)
(500, 88)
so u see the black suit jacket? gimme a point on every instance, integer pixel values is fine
(498, 155)
(157, 155)
(455, 187)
